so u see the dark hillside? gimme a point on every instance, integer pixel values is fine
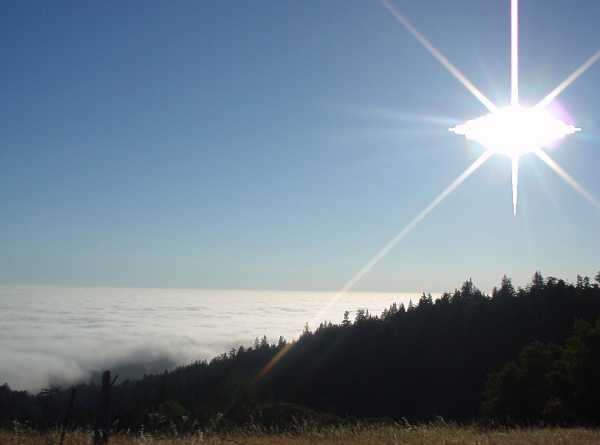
(430, 359)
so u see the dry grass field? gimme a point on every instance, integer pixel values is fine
(365, 435)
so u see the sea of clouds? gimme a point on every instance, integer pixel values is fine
(57, 335)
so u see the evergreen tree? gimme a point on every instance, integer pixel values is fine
(537, 282)
(346, 322)
(506, 289)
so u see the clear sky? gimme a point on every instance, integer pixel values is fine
(280, 144)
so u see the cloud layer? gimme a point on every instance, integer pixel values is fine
(59, 334)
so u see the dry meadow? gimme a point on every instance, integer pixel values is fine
(364, 435)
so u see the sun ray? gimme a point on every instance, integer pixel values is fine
(514, 52)
(402, 234)
(568, 178)
(440, 57)
(568, 81)
(401, 116)
(384, 251)
(515, 183)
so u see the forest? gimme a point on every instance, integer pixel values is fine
(516, 357)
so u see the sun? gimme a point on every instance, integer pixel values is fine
(515, 130)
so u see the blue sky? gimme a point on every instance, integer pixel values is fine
(280, 144)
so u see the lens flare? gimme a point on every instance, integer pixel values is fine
(383, 252)
(569, 80)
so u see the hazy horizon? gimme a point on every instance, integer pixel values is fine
(485, 284)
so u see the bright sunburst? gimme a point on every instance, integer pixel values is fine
(514, 131)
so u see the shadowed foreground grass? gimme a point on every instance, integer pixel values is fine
(361, 435)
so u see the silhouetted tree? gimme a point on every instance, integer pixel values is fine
(506, 289)
(346, 322)
(537, 282)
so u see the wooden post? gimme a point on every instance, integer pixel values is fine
(103, 423)
(67, 416)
